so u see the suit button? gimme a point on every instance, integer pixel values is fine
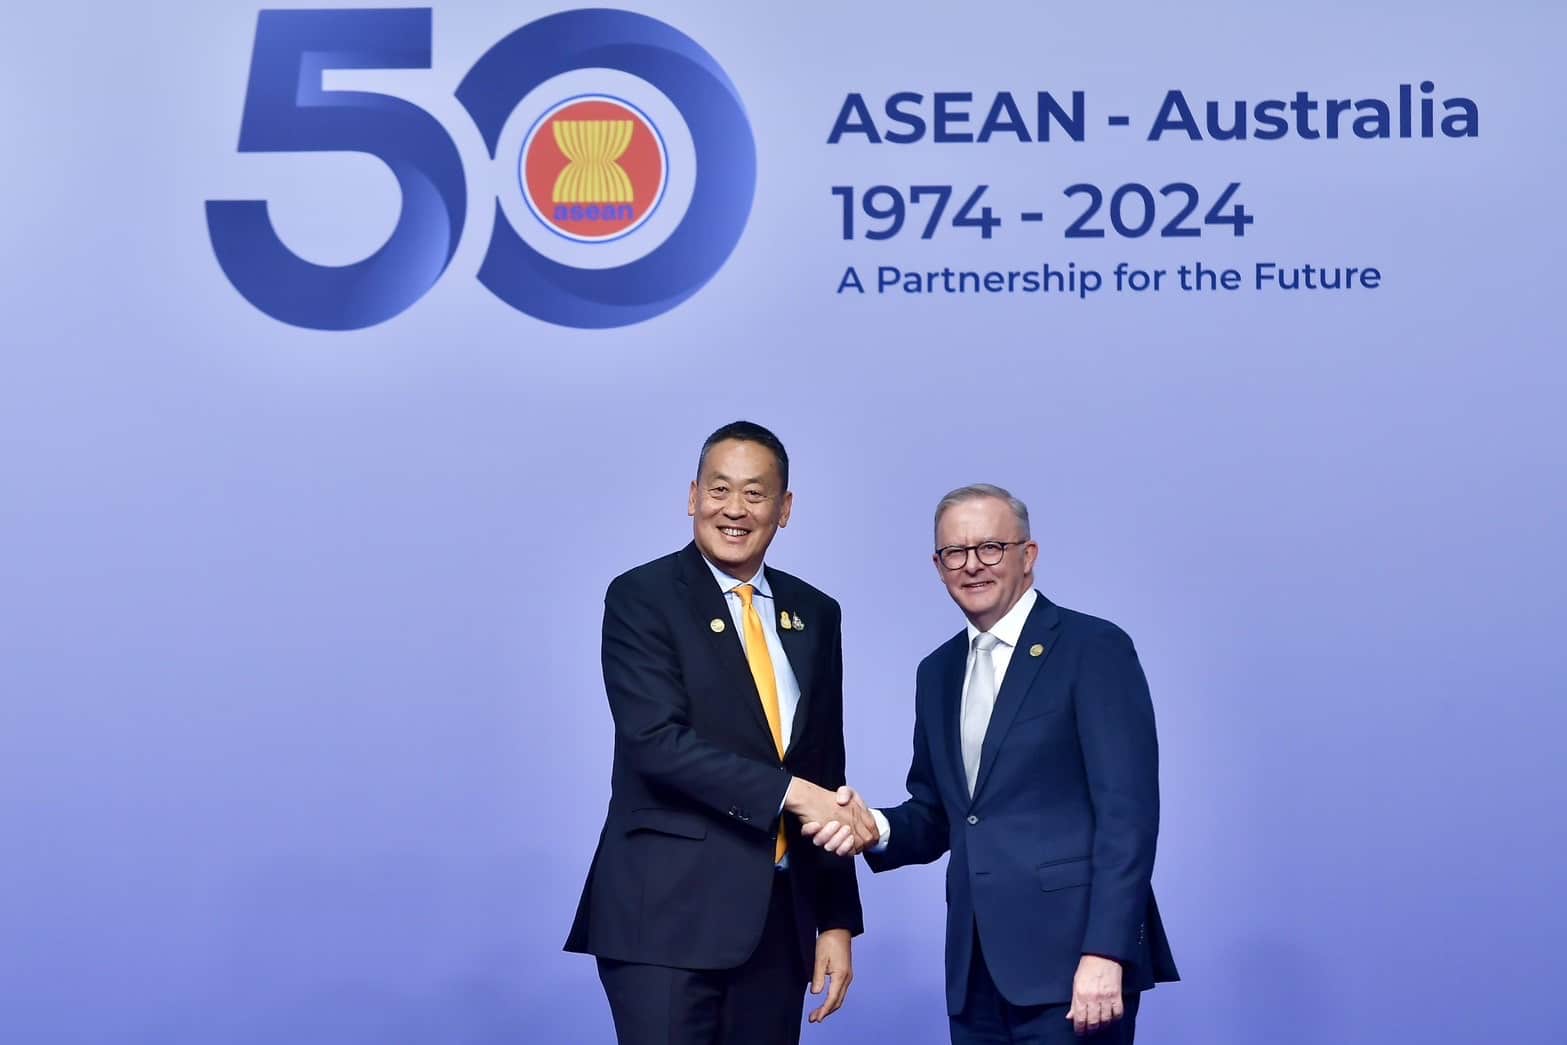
(973, 819)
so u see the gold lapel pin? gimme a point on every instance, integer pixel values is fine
(717, 624)
(783, 620)
(799, 625)
(1036, 650)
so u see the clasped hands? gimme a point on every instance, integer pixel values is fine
(837, 821)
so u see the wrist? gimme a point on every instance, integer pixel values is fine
(794, 797)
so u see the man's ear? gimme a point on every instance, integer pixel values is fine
(784, 507)
(691, 500)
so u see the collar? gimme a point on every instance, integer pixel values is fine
(727, 584)
(1010, 627)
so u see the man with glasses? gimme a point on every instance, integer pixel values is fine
(707, 911)
(1036, 766)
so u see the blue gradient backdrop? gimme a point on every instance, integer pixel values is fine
(302, 738)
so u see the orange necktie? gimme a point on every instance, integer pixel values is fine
(767, 685)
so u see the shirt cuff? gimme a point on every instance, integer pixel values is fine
(883, 828)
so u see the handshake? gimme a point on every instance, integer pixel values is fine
(837, 821)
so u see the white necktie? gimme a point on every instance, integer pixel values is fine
(979, 699)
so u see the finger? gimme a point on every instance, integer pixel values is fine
(1117, 1008)
(835, 993)
(809, 828)
(818, 981)
(1080, 1016)
(846, 795)
(867, 829)
(829, 836)
(845, 846)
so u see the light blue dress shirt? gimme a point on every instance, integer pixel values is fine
(783, 673)
(767, 609)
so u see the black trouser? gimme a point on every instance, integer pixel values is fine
(757, 1003)
(989, 1019)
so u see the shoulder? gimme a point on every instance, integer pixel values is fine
(1091, 630)
(955, 646)
(797, 590)
(652, 576)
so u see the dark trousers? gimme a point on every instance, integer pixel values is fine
(758, 1003)
(989, 1019)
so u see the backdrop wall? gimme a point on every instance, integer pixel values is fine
(302, 737)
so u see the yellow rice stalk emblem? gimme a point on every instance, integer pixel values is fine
(592, 173)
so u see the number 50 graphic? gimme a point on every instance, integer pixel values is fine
(287, 110)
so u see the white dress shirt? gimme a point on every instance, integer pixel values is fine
(783, 673)
(767, 609)
(1007, 631)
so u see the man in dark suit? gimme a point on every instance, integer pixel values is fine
(1036, 766)
(706, 910)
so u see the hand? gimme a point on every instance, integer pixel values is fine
(1096, 994)
(817, 808)
(851, 831)
(835, 965)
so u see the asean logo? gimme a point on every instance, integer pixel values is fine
(593, 168)
(623, 112)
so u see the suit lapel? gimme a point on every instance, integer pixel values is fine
(707, 604)
(1024, 667)
(799, 645)
(952, 668)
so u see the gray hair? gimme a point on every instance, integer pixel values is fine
(975, 491)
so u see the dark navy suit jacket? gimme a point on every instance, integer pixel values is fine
(1052, 856)
(684, 865)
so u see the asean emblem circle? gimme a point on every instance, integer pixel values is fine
(593, 168)
(675, 66)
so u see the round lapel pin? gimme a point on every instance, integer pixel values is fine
(1036, 650)
(717, 624)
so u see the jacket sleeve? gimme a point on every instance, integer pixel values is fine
(918, 827)
(1115, 725)
(648, 701)
(837, 889)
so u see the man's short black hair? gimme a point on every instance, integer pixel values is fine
(748, 432)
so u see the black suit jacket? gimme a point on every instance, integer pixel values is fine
(684, 865)
(1052, 856)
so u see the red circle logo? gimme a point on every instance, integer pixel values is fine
(593, 168)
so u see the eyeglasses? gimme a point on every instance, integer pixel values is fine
(955, 556)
